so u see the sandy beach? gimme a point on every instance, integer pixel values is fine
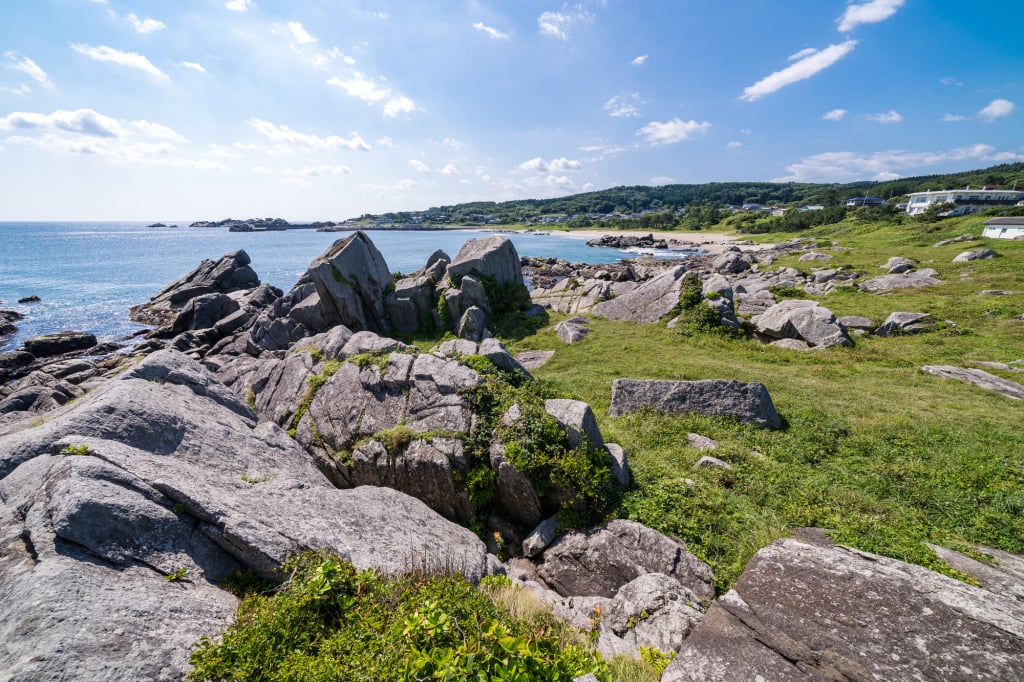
(712, 242)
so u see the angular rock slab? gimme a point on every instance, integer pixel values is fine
(749, 402)
(804, 611)
(598, 563)
(350, 279)
(648, 302)
(904, 281)
(979, 378)
(804, 321)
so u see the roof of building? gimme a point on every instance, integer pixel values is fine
(965, 191)
(1008, 221)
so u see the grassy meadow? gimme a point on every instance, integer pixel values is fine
(884, 456)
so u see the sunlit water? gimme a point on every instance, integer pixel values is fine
(87, 275)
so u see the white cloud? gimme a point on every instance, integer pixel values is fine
(386, 142)
(603, 151)
(746, 131)
(239, 5)
(364, 88)
(735, 144)
(288, 140)
(194, 66)
(557, 24)
(491, 31)
(997, 108)
(21, 63)
(891, 116)
(399, 105)
(798, 71)
(672, 131)
(561, 165)
(638, 60)
(452, 142)
(870, 12)
(661, 180)
(85, 131)
(449, 169)
(262, 170)
(953, 118)
(587, 186)
(405, 185)
(131, 60)
(145, 25)
(322, 60)
(850, 166)
(317, 171)
(419, 165)
(951, 81)
(803, 54)
(624, 105)
(301, 35)
(835, 115)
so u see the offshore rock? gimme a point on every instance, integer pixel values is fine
(59, 343)
(228, 274)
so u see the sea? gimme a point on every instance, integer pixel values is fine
(87, 274)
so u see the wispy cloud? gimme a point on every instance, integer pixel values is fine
(735, 144)
(419, 166)
(850, 166)
(953, 118)
(798, 71)
(891, 116)
(539, 165)
(289, 140)
(997, 108)
(638, 60)
(557, 24)
(194, 66)
(19, 62)
(622, 106)
(660, 180)
(603, 151)
(85, 131)
(449, 169)
(672, 131)
(131, 60)
(145, 25)
(835, 115)
(301, 35)
(492, 32)
(870, 12)
(239, 5)
(803, 54)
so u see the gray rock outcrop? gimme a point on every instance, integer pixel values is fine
(573, 330)
(809, 610)
(59, 343)
(748, 402)
(122, 511)
(974, 254)
(648, 302)
(904, 281)
(488, 256)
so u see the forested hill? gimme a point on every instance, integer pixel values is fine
(631, 200)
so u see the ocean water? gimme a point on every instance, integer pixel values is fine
(87, 275)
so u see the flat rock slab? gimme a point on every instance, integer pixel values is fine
(749, 402)
(904, 281)
(532, 359)
(979, 378)
(59, 343)
(647, 303)
(814, 611)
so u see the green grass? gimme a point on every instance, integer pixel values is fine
(886, 457)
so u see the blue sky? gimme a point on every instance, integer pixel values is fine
(137, 109)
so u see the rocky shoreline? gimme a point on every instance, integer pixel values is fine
(253, 423)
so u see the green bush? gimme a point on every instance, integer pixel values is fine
(329, 621)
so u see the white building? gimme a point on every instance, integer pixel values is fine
(967, 200)
(1004, 228)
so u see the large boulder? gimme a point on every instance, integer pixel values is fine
(600, 562)
(648, 302)
(975, 254)
(748, 402)
(227, 274)
(494, 257)
(351, 278)
(732, 262)
(810, 610)
(803, 320)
